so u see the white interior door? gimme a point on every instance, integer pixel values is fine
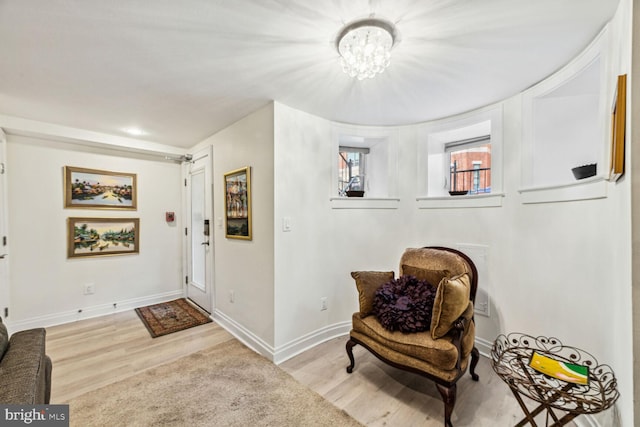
(4, 269)
(199, 233)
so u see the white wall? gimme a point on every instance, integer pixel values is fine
(246, 267)
(560, 269)
(46, 287)
(556, 269)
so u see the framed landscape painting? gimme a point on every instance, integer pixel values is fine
(237, 204)
(102, 236)
(97, 189)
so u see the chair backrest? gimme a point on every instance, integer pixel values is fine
(441, 258)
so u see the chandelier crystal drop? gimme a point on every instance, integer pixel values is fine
(365, 47)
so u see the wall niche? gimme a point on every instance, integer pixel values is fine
(565, 123)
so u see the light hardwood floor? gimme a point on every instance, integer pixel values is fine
(92, 353)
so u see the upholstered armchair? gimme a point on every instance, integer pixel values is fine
(441, 353)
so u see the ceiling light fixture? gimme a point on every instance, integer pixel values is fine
(365, 47)
(135, 131)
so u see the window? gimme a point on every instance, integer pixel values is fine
(364, 159)
(461, 154)
(351, 169)
(469, 165)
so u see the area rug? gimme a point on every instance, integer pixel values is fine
(225, 385)
(173, 316)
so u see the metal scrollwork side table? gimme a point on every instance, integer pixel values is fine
(510, 358)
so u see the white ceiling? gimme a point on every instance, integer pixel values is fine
(183, 70)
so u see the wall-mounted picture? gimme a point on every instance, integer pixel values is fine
(618, 125)
(97, 189)
(237, 204)
(102, 236)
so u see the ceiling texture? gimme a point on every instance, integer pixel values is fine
(183, 70)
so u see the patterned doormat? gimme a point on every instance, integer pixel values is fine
(173, 316)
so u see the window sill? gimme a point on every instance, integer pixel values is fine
(586, 189)
(471, 201)
(364, 203)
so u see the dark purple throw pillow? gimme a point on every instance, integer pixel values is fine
(405, 304)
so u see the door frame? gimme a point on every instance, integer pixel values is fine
(5, 286)
(209, 260)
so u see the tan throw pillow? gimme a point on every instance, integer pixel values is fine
(368, 283)
(432, 277)
(452, 299)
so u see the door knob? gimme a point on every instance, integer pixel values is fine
(205, 243)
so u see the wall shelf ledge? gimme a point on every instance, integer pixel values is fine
(364, 203)
(470, 201)
(586, 189)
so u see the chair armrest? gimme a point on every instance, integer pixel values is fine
(458, 331)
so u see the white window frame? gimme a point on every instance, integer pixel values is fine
(362, 163)
(433, 160)
(381, 166)
(459, 145)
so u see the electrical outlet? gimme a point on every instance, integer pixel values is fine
(323, 303)
(89, 289)
(232, 296)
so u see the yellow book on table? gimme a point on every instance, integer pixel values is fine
(569, 372)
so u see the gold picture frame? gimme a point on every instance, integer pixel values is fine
(618, 128)
(237, 203)
(88, 237)
(99, 189)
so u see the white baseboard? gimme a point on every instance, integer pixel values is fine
(484, 347)
(286, 351)
(243, 334)
(312, 339)
(90, 312)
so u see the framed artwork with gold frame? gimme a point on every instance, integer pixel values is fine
(102, 236)
(237, 203)
(618, 126)
(99, 189)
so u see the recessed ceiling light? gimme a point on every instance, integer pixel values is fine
(134, 131)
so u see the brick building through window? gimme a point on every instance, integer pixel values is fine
(470, 165)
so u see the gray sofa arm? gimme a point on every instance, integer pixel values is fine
(25, 369)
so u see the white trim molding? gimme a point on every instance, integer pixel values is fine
(364, 203)
(471, 201)
(243, 334)
(484, 347)
(284, 352)
(90, 312)
(310, 340)
(594, 188)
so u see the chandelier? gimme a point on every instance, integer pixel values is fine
(365, 47)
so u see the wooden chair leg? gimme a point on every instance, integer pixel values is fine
(350, 345)
(449, 398)
(475, 357)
